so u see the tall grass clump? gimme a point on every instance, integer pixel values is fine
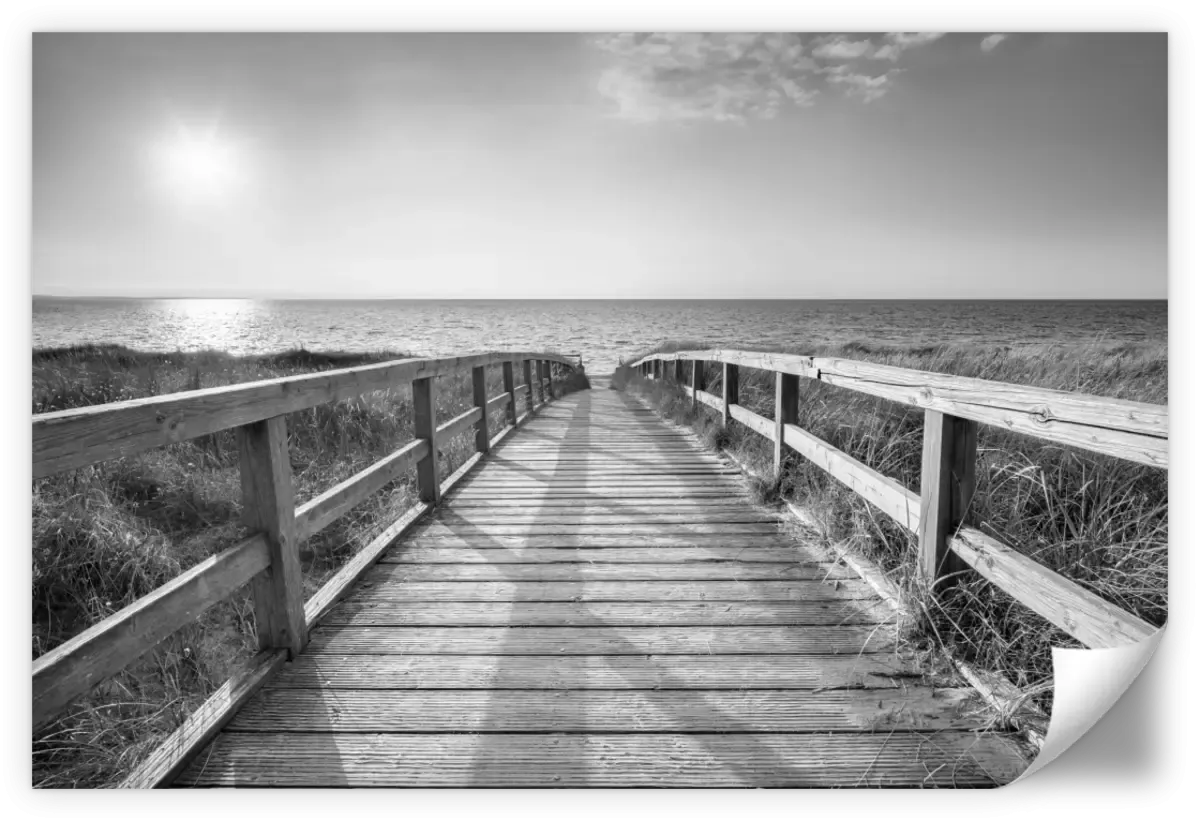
(110, 533)
(1097, 520)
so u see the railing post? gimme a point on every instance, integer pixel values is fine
(729, 390)
(479, 394)
(538, 384)
(787, 411)
(697, 380)
(429, 487)
(549, 367)
(527, 373)
(947, 484)
(269, 505)
(510, 412)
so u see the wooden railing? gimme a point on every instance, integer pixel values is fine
(269, 558)
(954, 406)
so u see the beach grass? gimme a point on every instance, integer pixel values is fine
(108, 534)
(1097, 520)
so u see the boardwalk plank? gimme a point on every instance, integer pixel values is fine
(950, 759)
(600, 604)
(751, 553)
(594, 571)
(621, 641)
(600, 711)
(367, 612)
(559, 672)
(621, 591)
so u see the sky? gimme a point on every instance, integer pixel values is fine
(824, 165)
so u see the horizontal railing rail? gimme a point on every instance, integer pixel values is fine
(82, 436)
(269, 558)
(953, 406)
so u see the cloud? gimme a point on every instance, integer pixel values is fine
(898, 42)
(863, 86)
(911, 39)
(842, 48)
(740, 77)
(992, 40)
(722, 77)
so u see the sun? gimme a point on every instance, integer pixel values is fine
(199, 166)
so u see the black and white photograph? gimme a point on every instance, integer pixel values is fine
(605, 409)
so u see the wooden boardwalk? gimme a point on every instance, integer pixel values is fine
(601, 604)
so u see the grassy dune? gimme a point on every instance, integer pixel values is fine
(107, 534)
(1100, 521)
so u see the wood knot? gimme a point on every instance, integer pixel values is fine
(1041, 416)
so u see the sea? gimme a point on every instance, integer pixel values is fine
(602, 331)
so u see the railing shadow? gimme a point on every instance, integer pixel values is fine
(692, 706)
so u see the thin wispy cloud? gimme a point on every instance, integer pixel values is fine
(723, 77)
(898, 42)
(865, 87)
(839, 47)
(992, 40)
(740, 77)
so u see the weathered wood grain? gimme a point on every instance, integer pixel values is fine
(81, 436)
(623, 641)
(598, 711)
(563, 516)
(759, 591)
(318, 513)
(479, 397)
(498, 400)
(949, 759)
(729, 389)
(510, 391)
(603, 495)
(364, 612)
(1117, 427)
(561, 672)
(706, 398)
(459, 424)
(897, 501)
(947, 485)
(595, 571)
(583, 506)
(527, 375)
(693, 510)
(340, 584)
(440, 540)
(171, 757)
(1130, 430)
(462, 527)
(268, 507)
(106, 648)
(762, 360)
(759, 424)
(1065, 604)
(410, 553)
(425, 428)
(787, 410)
(568, 600)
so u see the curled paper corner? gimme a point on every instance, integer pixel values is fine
(1087, 683)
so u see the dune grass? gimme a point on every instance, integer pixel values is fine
(107, 534)
(1097, 520)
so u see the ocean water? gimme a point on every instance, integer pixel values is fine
(602, 330)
